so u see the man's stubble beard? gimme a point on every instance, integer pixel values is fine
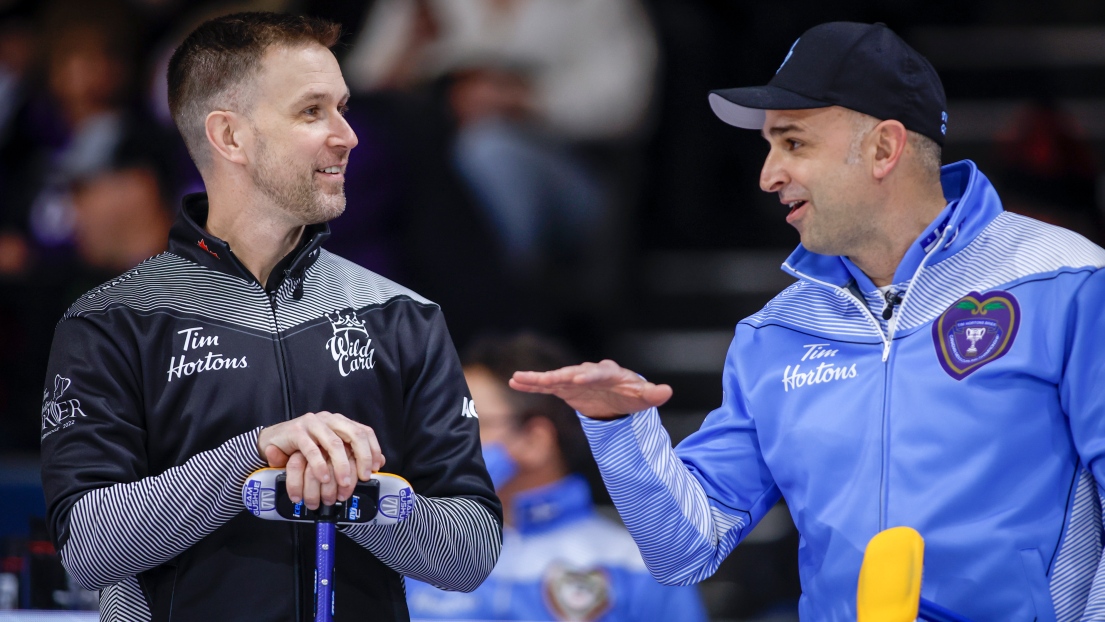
(844, 223)
(295, 192)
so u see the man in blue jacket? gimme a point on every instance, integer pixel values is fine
(933, 366)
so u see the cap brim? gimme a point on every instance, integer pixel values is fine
(744, 107)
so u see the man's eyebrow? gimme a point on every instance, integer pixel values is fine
(779, 130)
(314, 96)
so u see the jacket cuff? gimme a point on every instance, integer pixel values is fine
(598, 430)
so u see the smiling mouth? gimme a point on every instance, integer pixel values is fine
(330, 170)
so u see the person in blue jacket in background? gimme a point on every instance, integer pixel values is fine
(561, 560)
(936, 365)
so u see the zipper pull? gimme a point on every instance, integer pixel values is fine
(893, 299)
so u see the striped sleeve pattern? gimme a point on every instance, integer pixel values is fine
(450, 543)
(118, 531)
(1095, 601)
(1076, 562)
(124, 602)
(683, 539)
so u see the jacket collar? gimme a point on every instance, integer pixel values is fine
(190, 240)
(552, 505)
(972, 205)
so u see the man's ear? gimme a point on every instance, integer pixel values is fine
(890, 138)
(227, 132)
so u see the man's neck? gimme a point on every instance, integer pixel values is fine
(258, 239)
(880, 259)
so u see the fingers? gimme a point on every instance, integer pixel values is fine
(303, 486)
(586, 373)
(602, 390)
(656, 394)
(361, 441)
(330, 451)
(294, 470)
(541, 381)
(321, 428)
(311, 487)
(322, 438)
(275, 457)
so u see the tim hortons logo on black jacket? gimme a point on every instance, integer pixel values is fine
(346, 347)
(58, 414)
(192, 361)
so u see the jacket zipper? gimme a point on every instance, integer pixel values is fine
(285, 384)
(887, 339)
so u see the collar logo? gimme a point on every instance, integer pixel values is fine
(975, 330)
(350, 346)
(203, 244)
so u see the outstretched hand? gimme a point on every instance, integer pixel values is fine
(597, 390)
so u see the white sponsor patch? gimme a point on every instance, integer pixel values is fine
(193, 361)
(795, 377)
(350, 346)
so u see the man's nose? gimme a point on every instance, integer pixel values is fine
(772, 176)
(343, 134)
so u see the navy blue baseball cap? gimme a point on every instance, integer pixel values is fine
(862, 67)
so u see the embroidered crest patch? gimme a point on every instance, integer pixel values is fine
(579, 595)
(975, 330)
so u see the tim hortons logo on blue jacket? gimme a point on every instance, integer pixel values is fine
(795, 377)
(191, 361)
(350, 346)
(975, 330)
(58, 413)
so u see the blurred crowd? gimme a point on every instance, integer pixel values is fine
(496, 138)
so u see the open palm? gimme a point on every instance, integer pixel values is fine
(597, 390)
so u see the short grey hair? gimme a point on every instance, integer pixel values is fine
(927, 150)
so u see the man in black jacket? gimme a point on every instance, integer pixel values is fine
(237, 349)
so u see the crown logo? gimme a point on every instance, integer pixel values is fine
(344, 321)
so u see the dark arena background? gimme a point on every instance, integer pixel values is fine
(649, 237)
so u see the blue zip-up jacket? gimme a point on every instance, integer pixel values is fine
(561, 560)
(973, 416)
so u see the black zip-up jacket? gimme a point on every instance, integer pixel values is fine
(159, 382)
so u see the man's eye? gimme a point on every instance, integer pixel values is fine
(342, 110)
(313, 110)
(793, 144)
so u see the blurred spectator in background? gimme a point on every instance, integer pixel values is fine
(547, 95)
(560, 560)
(71, 120)
(121, 210)
(17, 51)
(85, 181)
(1049, 170)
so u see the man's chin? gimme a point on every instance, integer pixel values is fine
(329, 207)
